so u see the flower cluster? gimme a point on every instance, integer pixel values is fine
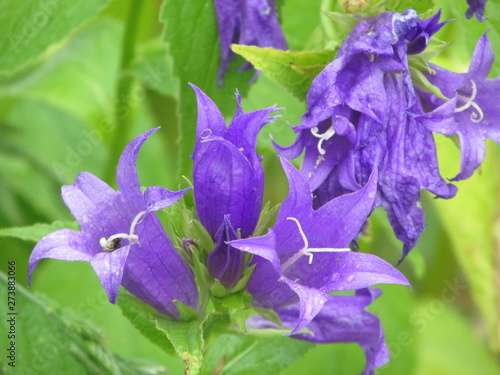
(368, 141)
(364, 112)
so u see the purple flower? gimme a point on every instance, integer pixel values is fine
(476, 107)
(363, 114)
(122, 238)
(248, 22)
(305, 256)
(477, 7)
(228, 180)
(342, 319)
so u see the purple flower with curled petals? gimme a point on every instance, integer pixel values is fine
(476, 7)
(476, 107)
(228, 180)
(248, 22)
(122, 238)
(300, 262)
(342, 319)
(363, 113)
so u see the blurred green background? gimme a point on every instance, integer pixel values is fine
(78, 80)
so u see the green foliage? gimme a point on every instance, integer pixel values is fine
(31, 26)
(143, 317)
(236, 355)
(294, 71)
(57, 341)
(36, 232)
(423, 7)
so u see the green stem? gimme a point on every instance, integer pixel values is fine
(123, 117)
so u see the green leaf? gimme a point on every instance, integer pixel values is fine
(191, 34)
(294, 71)
(154, 67)
(187, 339)
(143, 317)
(400, 6)
(235, 304)
(29, 27)
(236, 355)
(91, 94)
(36, 232)
(57, 341)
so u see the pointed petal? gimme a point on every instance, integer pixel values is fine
(126, 173)
(472, 152)
(245, 128)
(95, 206)
(157, 197)
(344, 215)
(482, 59)
(210, 120)
(63, 244)
(294, 150)
(311, 302)
(263, 246)
(109, 268)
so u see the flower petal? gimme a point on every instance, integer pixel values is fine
(109, 268)
(126, 173)
(95, 206)
(156, 273)
(342, 319)
(311, 302)
(63, 244)
(157, 197)
(226, 184)
(263, 246)
(225, 262)
(210, 120)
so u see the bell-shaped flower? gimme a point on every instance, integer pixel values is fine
(306, 255)
(228, 179)
(248, 22)
(476, 7)
(476, 108)
(363, 114)
(343, 319)
(122, 238)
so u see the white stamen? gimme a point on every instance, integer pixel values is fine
(306, 250)
(330, 132)
(109, 245)
(477, 115)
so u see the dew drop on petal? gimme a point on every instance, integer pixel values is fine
(371, 194)
(351, 278)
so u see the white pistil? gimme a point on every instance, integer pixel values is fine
(477, 115)
(306, 250)
(113, 242)
(322, 137)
